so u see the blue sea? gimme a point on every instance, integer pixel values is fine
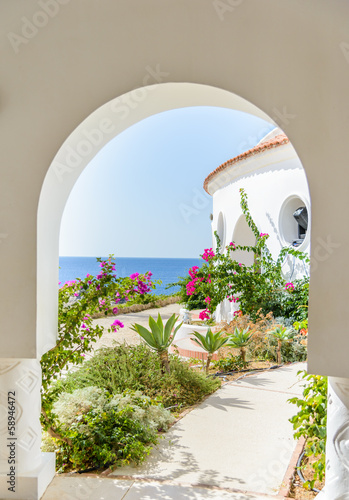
(167, 270)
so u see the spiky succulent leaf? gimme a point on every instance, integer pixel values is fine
(240, 338)
(211, 342)
(157, 333)
(145, 334)
(168, 329)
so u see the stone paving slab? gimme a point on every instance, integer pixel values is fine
(87, 488)
(286, 380)
(239, 437)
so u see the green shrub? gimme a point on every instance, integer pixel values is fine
(311, 421)
(291, 351)
(191, 302)
(105, 430)
(230, 363)
(138, 368)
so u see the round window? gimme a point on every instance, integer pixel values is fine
(293, 221)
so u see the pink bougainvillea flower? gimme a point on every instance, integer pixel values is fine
(237, 313)
(208, 300)
(231, 244)
(115, 310)
(208, 254)
(117, 323)
(193, 270)
(134, 276)
(82, 338)
(204, 314)
(289, 286)
(263, 234)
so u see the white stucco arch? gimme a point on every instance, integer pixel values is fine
(221, 229)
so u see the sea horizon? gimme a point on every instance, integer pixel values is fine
(166, 269)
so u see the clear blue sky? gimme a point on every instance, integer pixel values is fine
(142, 195)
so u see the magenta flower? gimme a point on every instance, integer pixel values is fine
(289, 287)
(193, 270)
(117, 323)
(82, 338)
(115, 310)
(204, 314)
(134, 276)
(262, 235)
(208, 254)
(208, 300)
(231, 244)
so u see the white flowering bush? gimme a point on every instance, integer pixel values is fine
(69, 408)
(143, 409)
(103, 430)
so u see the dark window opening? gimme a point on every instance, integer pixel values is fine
(301, 217)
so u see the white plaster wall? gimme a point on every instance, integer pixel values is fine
(290, 59)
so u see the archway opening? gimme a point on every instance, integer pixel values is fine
(68, 165)
(243, 236)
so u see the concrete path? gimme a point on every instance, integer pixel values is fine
(236, 445)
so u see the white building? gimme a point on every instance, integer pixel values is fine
(276, 185)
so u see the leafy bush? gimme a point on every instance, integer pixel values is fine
(263, 346)
(138, 368)
(104, 430)
(311, 420)
(191, 302)
(229, 363)
(258, 287)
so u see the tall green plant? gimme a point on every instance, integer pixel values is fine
(311, 421)
(211, 342)
(281, 334)
(159, 336)
(240, 340)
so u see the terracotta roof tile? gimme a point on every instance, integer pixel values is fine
(276, 141)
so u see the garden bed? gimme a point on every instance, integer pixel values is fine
(297, 490)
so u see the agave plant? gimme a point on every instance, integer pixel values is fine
(159, 337)
(239, 340)
(211, 342)
(282, 334)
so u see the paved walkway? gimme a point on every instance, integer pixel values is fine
(236, 445)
